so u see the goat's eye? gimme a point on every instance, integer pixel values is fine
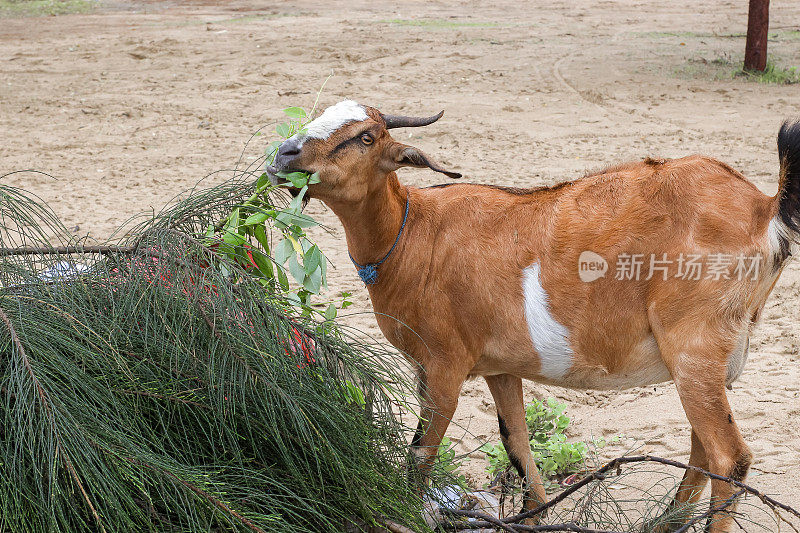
(366, 138)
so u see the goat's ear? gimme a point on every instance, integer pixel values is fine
(408, 156)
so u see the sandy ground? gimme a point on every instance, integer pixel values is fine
(135, 102)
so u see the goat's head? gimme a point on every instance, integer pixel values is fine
(349, 146)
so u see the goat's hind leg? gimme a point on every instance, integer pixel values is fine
(689, 491)
(507, 393)
(710, 414)
(697, 356)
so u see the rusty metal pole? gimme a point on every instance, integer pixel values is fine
(755, 52)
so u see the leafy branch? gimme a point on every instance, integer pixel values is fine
(243, 236)
(160, 384)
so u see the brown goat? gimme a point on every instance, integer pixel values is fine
(515, 283)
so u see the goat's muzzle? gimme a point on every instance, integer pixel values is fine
(288, 152)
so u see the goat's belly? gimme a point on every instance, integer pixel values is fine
(560, 365)
(642, 366)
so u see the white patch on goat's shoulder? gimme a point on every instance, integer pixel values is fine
(548, 335)
(334, 118)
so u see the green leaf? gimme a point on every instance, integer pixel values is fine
(283, 251)
(305, 296)
(294, 299)
(298, 179)
(283, 280)
(283, 130)
(233, 221)
(297, 202)
(330, 312)
(289, 218)
(323, 263)
(312, 259)
(256, 218)
(296, 270)
(263, 263)
(304, 221)
(260, 233)
(295, 112)
(312, 282)
(355, 394)
(263, 181)
(233, 238)
(313, 178)
(283, 219)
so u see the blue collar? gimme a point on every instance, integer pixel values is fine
(369, 272)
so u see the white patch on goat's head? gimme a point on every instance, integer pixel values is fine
(550, 338)
(332, 119)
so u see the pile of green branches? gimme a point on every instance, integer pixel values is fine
(150, 384)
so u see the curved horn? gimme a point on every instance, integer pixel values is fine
(400, 121)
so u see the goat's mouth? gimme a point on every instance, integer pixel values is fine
(276, 178)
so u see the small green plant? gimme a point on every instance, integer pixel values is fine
(448, 464)
(33, 8)
(726, 66)
(555, 457)
(772, 74)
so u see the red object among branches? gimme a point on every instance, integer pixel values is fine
(300, 344)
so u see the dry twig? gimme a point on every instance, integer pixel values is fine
(483, 520)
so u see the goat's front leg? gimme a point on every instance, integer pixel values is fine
(507, 393)
(439, 390)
